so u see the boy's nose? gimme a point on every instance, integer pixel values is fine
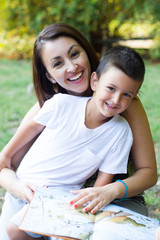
(117, 98)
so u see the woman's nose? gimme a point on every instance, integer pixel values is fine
(71, 66)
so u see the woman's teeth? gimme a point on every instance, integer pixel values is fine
(79, 75)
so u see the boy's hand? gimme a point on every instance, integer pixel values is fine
(93, 198)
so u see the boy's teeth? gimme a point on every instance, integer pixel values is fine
(109, 105)
(76, 77)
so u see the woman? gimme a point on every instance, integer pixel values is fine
(54, 74)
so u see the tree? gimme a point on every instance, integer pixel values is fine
(96, 19)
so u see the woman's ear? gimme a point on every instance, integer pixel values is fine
(94, 81)
(50, 78)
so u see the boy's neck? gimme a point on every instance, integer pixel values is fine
(93, 118)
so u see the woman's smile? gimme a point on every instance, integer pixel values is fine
(76, 77)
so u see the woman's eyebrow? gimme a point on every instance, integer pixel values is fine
(74, 45)
(53, 59)
(69, 50)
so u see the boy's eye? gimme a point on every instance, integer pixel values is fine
(111, 89)
(75, 54)
(127, 95)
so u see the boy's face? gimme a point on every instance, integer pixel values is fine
(113, 91)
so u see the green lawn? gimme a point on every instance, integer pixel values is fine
(16, 99)
(150, 97)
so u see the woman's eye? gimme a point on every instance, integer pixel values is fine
(75, 54)
(57, 64)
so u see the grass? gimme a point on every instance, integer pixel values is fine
(16, 100)
(150, 98)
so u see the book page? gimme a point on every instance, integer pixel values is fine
(119, 223)
(50, 214)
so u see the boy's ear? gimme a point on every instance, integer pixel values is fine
(94, 81)
(135, 95)
(50, 78)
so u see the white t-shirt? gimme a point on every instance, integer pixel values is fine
(67, 152)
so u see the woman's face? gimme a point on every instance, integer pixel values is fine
(67, 64)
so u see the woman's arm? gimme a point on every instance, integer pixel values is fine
(16, 159)
(143, 153)
(8, 178)
(144, 160)
(22, 136)
(25, 135)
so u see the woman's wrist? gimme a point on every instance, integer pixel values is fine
(125, 185)
(8, 179)
(115, 190)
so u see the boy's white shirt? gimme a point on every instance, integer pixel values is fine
(67, 152)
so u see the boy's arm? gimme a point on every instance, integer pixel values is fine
(103, 179)
(21, 137)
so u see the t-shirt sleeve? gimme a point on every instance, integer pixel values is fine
(116, 160)
(46, 113)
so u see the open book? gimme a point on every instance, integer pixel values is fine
(50, 214)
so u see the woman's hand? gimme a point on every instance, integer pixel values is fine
(96, 197)
(23, 191)
(10, 183)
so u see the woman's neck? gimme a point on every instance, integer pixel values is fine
(86, 93)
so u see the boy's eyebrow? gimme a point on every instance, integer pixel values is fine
(69, 50)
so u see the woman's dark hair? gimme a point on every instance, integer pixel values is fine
(43, 87)
(124, 58)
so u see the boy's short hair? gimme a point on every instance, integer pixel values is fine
(124, 58)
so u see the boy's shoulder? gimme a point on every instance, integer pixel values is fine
(61, 97)
(64, 96)
(118, 119)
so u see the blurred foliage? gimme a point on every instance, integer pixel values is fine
(16, 46)
(96, 19)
